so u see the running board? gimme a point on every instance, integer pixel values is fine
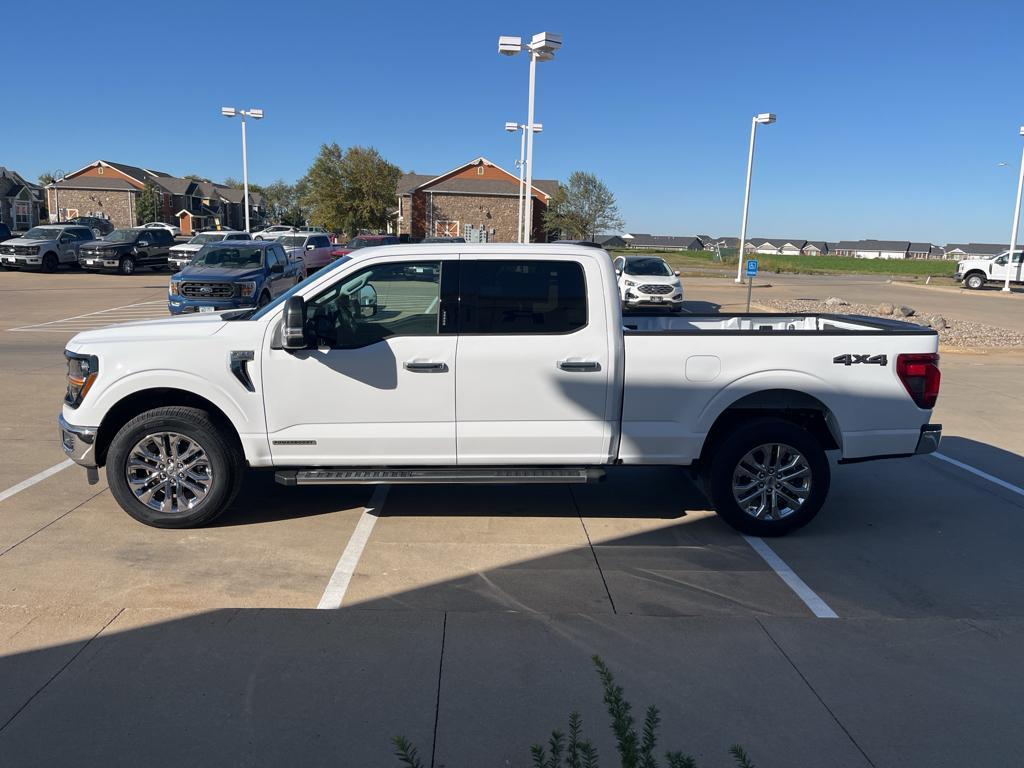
(374, 476)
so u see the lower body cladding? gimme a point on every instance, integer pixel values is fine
(652, 301)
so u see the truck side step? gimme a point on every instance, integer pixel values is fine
(374, 475)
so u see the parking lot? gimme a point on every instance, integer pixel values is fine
(308, 626)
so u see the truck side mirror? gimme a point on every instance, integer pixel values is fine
(618, 272)
(293, 327)
(276, 268)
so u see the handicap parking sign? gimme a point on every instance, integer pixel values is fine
(751, 267)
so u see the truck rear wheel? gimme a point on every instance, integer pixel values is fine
(171, 468)
(768, 477)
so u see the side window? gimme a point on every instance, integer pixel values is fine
(242, 236)
(377, 303)
(522, 297)
(271, 257)
(321, 241)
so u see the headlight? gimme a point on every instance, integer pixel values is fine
(631, 284)
(82, 370)
(174, 288)
(247, 289)
(35, 250)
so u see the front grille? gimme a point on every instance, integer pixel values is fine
(7, 250)
(20, 250)
(98, 254)
(208, 290)
(656, 289)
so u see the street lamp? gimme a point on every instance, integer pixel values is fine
(521, 165)
(541, 47)
(763, 118)
(1016, 224)
(255, 114)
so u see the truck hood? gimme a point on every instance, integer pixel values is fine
(652, 279)
(187, 248)
(183, 327)
(219, 274)
(104, 245)
(25, 241)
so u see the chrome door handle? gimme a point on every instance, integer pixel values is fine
(415, 365)
(579, 365)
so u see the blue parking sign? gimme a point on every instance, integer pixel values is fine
(751, 267)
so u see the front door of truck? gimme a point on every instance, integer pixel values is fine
(534, 360)
(377, 385)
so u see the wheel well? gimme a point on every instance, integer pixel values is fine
(800, 408)
(138, 402)
(976, 272)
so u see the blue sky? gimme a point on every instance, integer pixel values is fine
(892, 117)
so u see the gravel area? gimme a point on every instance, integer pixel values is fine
(953, 333)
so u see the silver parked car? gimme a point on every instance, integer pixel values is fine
(45, 247)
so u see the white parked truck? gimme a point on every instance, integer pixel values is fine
(469, 363)
(975, 273)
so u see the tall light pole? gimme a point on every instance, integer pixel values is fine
(255, 114)
(541, 47)
(764, 118)
(512, 127)
(1016, 224)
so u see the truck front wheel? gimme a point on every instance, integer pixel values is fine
(975, 281)
(768, 477)
(172, 468)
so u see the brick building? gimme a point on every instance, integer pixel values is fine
(478, 201)
(111, 191)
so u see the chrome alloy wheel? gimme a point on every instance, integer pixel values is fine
(772, 481)
(169, 473)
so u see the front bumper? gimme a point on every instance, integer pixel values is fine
(100, 262)
(928, 442)
(21, 262)
(634, 299)
(179, 305)
(79, 444)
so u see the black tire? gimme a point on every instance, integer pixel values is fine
(226, 466)
(677, 309)
(975, 281)
(746, 438)
(50, 262)
(127, 265)
(263, 300)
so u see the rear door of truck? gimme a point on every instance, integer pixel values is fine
(534, 361)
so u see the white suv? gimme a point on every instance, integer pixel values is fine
(181, 255)
(648, 281)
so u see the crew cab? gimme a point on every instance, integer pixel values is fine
(45, 247)
(648, 281)
(181, 255)
(512, 364)
(125, 250)
(975, 273)
(232, 274)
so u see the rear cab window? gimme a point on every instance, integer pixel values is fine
(522, 297)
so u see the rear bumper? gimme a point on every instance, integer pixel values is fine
(928, 442)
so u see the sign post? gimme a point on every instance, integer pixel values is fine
(751, 273)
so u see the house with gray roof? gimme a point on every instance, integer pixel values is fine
(665, 242)
(20, 201)
(974, 250)
(478, 200)
(111, 190)
(873, 249)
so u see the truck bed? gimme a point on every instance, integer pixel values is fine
(683, 371)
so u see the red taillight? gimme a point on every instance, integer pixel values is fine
(920, 375)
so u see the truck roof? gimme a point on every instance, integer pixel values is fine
(536, 250)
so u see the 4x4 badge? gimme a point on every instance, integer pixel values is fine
(855, 359)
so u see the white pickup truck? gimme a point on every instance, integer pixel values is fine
(467, 363)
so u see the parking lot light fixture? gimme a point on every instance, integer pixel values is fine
(762, 118)
(541, 47)
(1016, 226)
(255, 114)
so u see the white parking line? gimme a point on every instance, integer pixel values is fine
(5, 495)
(985, 475)
(334, 594)
(811, 599)
(145, 310)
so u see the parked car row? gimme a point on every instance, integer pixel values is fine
(48, 246)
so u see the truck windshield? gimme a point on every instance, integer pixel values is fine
(121, 236)
(229, 257)
(655, 267)
(291, 291)
(292, 241)
(41, 233)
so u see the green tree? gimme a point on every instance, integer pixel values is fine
(282, 202)
(196, 177)
(583, 208)
(49, 177)
(349, 190)
(147, 205)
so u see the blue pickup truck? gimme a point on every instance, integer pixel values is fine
(233, 274)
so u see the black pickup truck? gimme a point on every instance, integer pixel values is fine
(125, 250)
